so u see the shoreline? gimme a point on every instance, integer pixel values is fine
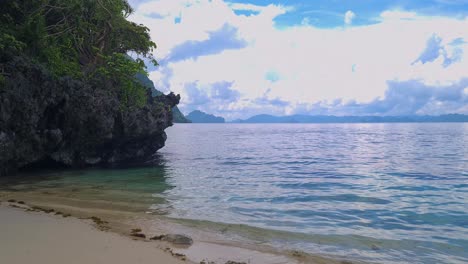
(119, 224)
(40, 237)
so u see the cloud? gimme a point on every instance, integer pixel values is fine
(275, 102)
(195, 95)
(223, 39)
(410, 97)
(432, 51)
(246, 7)
(450, 53)
(199, 96)
(348, 17)
(361, 69)
(162, 78)
(223, 91)
(397, 15)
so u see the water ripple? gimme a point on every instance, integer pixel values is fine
(400, 188)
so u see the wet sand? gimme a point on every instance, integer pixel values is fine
(54, 230)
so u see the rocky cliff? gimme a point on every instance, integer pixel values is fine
(177, 115)
(60, 121)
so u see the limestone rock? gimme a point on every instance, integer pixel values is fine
(66, 122)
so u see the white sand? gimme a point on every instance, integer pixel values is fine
(40, 238)
(32, 237)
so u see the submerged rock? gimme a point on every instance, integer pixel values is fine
(52, 122)
(175, 239)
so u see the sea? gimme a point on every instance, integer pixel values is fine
(378, 193)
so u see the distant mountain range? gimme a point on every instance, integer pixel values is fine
(353, 119)
(201, 117)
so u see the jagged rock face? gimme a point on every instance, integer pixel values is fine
(71, 123)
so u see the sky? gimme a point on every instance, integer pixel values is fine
(241, 58)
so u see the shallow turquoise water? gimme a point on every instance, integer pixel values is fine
(391, 193)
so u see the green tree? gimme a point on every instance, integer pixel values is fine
(79, 38)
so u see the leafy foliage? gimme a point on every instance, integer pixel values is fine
(123, 71)
(79, 38)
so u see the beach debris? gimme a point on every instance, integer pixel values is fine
(346, 262)
(21, 202)
(136, 232)
(100, 224)
(178, 254)
(297, 253)
(159, 237)
(140, 235)
(375, 247)
(175, 239)
(235, 262)
(66, 215)
(207, 262)
(175, 254)
(98, 221)
(12, 201)
(40, 209)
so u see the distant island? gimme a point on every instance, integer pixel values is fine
(353, 119)
(202, 117)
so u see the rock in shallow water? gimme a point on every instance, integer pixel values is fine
(175, 239)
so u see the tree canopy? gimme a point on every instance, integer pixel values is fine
(78, 38)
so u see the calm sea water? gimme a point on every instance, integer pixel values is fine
(390, 193)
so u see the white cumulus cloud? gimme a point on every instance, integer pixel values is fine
(294, 69)
(348, 17)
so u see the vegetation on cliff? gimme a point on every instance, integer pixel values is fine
(85, 39)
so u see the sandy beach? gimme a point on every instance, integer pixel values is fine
(38, 234)
(35, 237)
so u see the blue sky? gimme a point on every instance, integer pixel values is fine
(340, 57)
(329, 13)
